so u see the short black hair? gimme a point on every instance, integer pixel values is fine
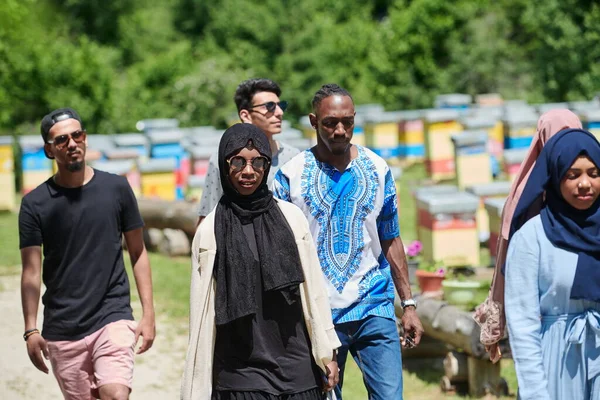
(247, 89)
(329, 89)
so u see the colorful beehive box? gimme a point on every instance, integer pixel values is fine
(158, 178)
(382, 134)
(194, 188)
(7, 174)
(440, 125)
(167, 144)
(542, 108)
(122, 167)
(98, 146)
(133, 141)
(519, 128)
(490, 121)
(36, 167)
(513, 158)
(590, 120)
(489, 100)
(200, 159)
(493, 190)
(157, 124)
(448, 228)
(578, 106)
(494, 207)
(457, 101)
(473, 165)
(411, 135)
(426, 191)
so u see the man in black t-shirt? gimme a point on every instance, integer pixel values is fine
(77, 218)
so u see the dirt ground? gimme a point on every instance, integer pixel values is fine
(157, 372)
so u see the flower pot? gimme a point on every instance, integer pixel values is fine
(429, 281)
(413, 265)
(461, 293)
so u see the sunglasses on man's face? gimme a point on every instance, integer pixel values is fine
(271, 106)
(238, 163)
(332, 123)
(61, 141)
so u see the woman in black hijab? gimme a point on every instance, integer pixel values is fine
(271, 323)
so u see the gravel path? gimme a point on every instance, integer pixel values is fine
(157, 372)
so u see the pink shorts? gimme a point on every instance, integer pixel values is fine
(105, 356)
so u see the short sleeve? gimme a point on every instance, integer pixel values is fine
(130, 213)
(387, 222)
(30, 231)
(281, 187)
(212, 191)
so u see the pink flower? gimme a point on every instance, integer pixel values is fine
(414, 249)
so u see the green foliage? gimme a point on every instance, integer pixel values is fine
(121, 61)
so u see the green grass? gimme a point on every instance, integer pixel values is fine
(10, 256)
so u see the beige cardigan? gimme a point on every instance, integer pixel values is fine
(197, 374)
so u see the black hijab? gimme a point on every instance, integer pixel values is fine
(277, 250)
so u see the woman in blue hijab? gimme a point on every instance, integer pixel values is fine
(552, 287)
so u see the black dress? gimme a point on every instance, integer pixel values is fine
(268, 355)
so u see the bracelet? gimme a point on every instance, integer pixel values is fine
(30, 332)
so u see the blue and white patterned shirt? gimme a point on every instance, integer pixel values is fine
(349, 213)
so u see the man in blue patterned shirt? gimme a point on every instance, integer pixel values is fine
(348, 194)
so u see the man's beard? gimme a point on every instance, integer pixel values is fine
(75, 166)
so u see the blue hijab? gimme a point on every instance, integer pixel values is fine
(577, 231)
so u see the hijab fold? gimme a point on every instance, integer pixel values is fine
(234, 268)
(566, 227)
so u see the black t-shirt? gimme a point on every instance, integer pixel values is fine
(269, 351)
(80, 231)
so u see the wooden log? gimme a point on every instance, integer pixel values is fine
(163, 214)
(449, 324)
(174, 243)
(456, 367)
(484, 377)
(152, 238)
(428, 348)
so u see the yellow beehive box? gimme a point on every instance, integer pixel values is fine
(32, 179)
(7, 174)
(513, 158)
(158, 179)
(440, 125)
(493, 190)
(126, 168)
(428, 191)
(473, 164)
(448, 229)
(494, 207)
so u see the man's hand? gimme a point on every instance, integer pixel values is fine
(36, 346)
(412, 326)
(333, 375)
(147, 329)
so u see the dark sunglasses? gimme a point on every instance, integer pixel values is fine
(62, 140)
(271, 106)
(332, 123)
(238, 163)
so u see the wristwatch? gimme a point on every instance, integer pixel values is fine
(408, 303)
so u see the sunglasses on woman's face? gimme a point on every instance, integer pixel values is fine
(271, 106)
(238, 163)
(62, 140)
